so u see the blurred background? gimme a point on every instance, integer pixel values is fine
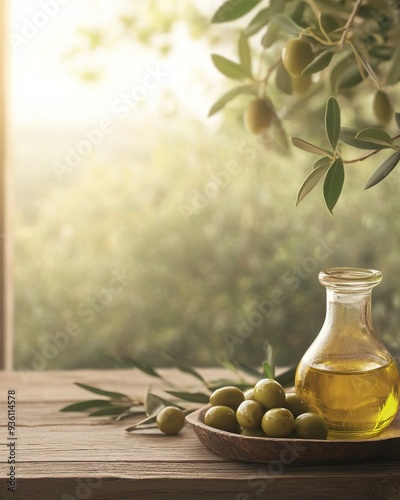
(142, 227)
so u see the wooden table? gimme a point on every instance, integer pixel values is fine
(67, 456)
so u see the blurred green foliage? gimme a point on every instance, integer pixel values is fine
(208, 272)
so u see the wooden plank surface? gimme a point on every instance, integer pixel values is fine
(68, 456)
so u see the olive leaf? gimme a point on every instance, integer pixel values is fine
(231, 94)
(393, 75)
(250, 370)
(185, 368)
(271, 35)
(258, 22)
(192, 397)
(332, 121)
(283, 80)
(375, 136)
(312, 180)
(348, 136)
(110, 411)
(287, 377)
(102, 392)
(146, 423)
(287, 24)
(383, 170)
(87, 405)
(155, 403)
(397, 119)
(345, 74)
(270, 359)
(228, 68)
(319, 63)
(133, 363)
(268, 370)
(232, 9)
(307, 146)
(245, 54)
(333, 183)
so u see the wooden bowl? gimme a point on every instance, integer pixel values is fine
(289, 451)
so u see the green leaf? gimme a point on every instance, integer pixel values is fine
(348, 136)
(142, 366)
(246, 368)
(228, 67)
(231, 94)
(146, 423)
(397, 119)
(101, 392)
(186, 368)
(268, 370)
(86, 405)
(311, 181)
(307, 146)
(192, 397)
(286, 378)
(283, 80)
(270, 358)
(105, 412)
(393, 75)
(271, 35)
(333, 184)
(155, 403)
(258, 22)
(375, 136)
(350, 78)
(383, 170)
(245, 54)
(326, 160)
(233, 9)
(217, 384)
(287, 24)
(332, 121)
(319, 63)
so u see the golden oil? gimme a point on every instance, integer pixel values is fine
(358, 396)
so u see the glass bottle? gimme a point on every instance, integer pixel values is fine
(347, 375)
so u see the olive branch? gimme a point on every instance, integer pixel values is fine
(120, 406)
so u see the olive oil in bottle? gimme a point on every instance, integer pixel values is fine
(357, 397)
(347, 375)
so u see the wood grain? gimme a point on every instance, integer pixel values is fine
(64, 456)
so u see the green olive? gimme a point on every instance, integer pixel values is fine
(170, 420)
(249, 414)
(269, 393)
(310, 426)
(301, 84)
(253, 432)
(296, 55)
(383, 108)
(278, 423)
(227, 396)
(259, 115)
(249, 394)
(295, 404)
(221, 417)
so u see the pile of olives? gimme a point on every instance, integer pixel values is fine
(264, 411)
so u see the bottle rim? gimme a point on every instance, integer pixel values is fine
(347, 278)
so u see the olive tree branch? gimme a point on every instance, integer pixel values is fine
(349, 24)
(362, 158)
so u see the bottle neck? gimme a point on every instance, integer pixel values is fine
(350, 309)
